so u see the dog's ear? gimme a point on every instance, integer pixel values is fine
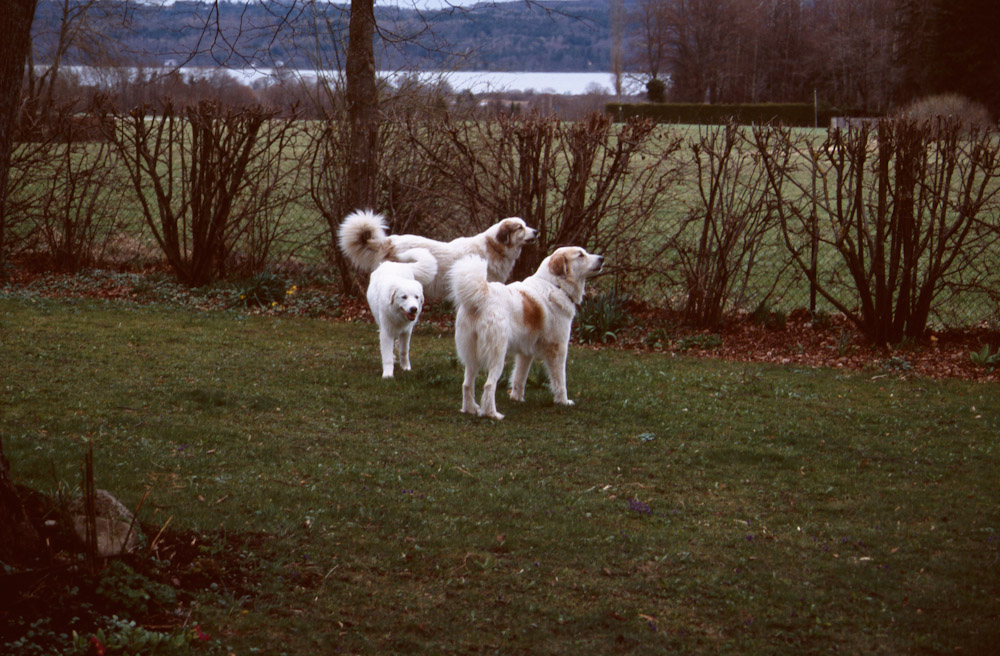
(557, 265)
(504, 232)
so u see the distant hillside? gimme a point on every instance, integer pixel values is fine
(571, 35)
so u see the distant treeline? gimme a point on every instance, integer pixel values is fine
(566, 36)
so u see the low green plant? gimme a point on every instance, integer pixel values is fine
(765, 315)
(120, 636)
(985, 358)
(129, 590)
(658, 337)
(821, 320)
(263, 290)
(896, 363)
(844, 346)
(40, 638)
(701, 341)
(600, 317)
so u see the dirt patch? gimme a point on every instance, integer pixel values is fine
(155, 587)
(833, 342)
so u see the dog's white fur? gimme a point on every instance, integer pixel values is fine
(396, 296)
(532, 318)
(362, 238)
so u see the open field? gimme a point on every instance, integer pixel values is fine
(683, 506)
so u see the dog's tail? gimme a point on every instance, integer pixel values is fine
(468, 282)
(425, 265)
(362, 239)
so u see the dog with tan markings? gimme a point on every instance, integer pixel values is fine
(363, 239)
(532, 318)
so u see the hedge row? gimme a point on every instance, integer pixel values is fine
(795, 114)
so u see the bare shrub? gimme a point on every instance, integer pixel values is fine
(908, 207)
(406, 185)
(267, 213)
(81, 209)
(201, 175)
(721, 234)
(24, 191)
(590, 183)
(67, 193)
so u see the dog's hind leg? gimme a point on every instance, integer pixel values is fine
(488, 402)
(518, 378)
(469, 390)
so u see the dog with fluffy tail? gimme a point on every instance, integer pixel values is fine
(531, 318)
(396, 296)
(363, 238)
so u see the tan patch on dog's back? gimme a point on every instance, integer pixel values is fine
(534, 315)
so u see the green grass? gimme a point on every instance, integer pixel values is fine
(683, 505)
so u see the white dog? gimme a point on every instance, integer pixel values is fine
(532, 318)
(363, 240)
(396, 296)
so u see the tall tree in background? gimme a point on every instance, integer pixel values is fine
(780, 53)
(914, 43)
(719, 51)
(617, 18)
(14, 48)
(17, 537)
(855, 52)
(965, 56)
(699, 43)
(649, 47)
(362, 104)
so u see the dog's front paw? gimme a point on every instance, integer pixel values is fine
(516, 396)
(492, 415)
(566, 402)
(471, 409)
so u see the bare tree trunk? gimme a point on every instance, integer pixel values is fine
(14, 47)
(18, 538)
(362, 105)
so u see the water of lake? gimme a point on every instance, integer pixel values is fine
(477, 82)
(482, 81)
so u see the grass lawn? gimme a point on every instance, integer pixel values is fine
(683, 506)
